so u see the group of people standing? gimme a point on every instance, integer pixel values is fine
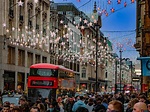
(87, 103)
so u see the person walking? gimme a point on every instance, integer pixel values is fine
(79, 103)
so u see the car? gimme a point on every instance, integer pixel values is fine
(12, 98)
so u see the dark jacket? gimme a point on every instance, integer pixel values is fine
(99, 107)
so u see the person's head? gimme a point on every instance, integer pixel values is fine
(82, 98)
(12, 106)
(22, 101)
(51, 107)
(59, 99)
(105, 101)
(34, 109)
(115, 106)
(71, 99)
(142, 98)
(148, 107)
(6, 108)
(132, 102)
(6, 103)
(16, 109)
(140, 107)
(90, 101)
(41, 106)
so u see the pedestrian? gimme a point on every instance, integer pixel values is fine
(60, 104)
(90, 104)
(140, 107)
(131, 104)
(24, 104)
(34, 109)
(148, 106)
(6, 108)
(11, 106)
(142, 98)
(16, 109)
(53, 107)
(69, 105)
(41, 107)
(79, 103)
(115, 106)
(98, 107)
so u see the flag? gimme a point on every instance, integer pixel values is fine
(78, 0)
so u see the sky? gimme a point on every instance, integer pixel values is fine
(119, 26)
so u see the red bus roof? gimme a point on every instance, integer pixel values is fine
(44, 65)
(50, 66)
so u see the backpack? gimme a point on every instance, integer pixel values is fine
(82, 109)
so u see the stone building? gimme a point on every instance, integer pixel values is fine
(23, 40)
(143, 33)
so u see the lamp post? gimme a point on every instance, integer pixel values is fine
(116, 75)
(120, 68)
(97, 24)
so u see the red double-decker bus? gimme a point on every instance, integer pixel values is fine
(49, 80)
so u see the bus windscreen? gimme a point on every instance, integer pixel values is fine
(43, 72)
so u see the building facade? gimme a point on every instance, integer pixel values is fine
(143, 33)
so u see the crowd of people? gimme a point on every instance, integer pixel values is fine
(90, 102)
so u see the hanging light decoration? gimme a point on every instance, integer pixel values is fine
(98, 8)
(112, 9)
(132, 1)
(109, 1)
(106, 14)
(125, 4)
(20, 3)
(119, 1)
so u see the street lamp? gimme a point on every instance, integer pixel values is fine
(120, 68)
(97, 24)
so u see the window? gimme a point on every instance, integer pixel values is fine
(30, 59)
(21, 58)
(83, 72)
(11, 9)
(11, 55)
(9, 80)
(44, 59)
(20, 81)
(37, 58)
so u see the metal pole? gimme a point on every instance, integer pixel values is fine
(131, 73)
(96, 57)
(131, 78)
(120, 68)
(115, 75)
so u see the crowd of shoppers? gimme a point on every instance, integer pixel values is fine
(90, 102)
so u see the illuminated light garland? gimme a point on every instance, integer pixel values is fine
(112, 10)
(125, 4)
(109, 1)
(33, 42)
(119, 1)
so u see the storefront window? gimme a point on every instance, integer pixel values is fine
(9, 80)
(20, 82)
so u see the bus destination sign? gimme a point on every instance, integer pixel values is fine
(42, 83)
